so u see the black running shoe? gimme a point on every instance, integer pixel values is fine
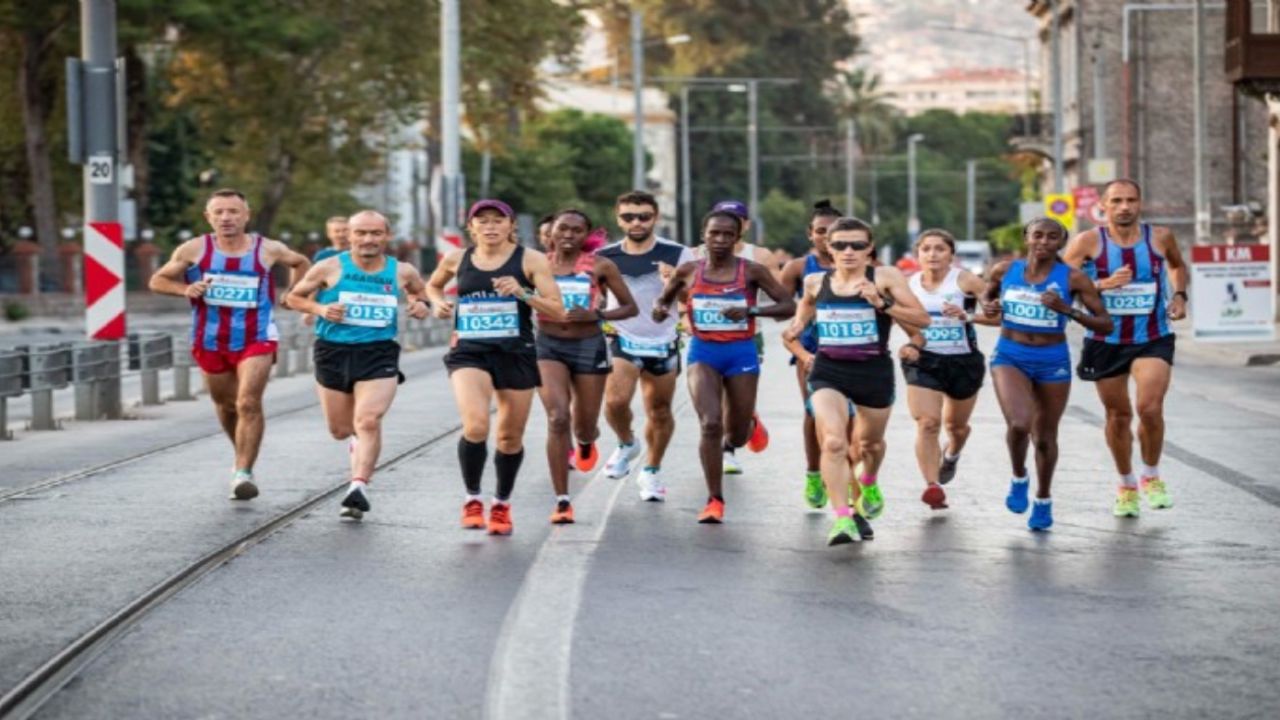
(356, 499)
(864, 527)
(947, 472)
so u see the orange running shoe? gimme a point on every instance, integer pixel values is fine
(713, 513)
(935, 497)
(588, 463)
(500, 519)
(563, 514)
(759, 439)
(473, 515)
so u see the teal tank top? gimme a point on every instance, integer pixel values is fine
(371, 300)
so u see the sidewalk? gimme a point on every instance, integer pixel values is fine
(1238, 354)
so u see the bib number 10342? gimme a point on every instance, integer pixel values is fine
(487, 319)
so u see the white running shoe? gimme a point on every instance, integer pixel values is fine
(242, 487)
(619, 464)
(731, 464)
(651, 487)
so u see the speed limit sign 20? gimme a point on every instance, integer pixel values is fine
(102, 169)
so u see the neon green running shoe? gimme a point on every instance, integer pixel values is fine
(871, 501)
(1157, 495)
(1126, 502)
(815, 493)
(843, 532)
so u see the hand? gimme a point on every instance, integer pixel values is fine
(1177, 308)
(507, 285)
(308, 320)
(909, 353)
(660, 313)
(443, 311)
(1118, 278)
(334, 312)
(419, 310)
(665, 271)
(1053, 301)
(870, 293)
(805, 361)
(735, 314)
(198, 288)
(954, 311)
(792, 333)
(991, 308)
(581, 315)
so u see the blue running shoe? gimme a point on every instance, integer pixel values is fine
(1016, 500)
(1041, 515)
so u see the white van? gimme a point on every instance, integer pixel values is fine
(973, 255)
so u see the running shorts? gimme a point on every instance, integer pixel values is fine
(653, 359)
(339, 366)
(1041, 363)
(583, 356)
(868, 383)
(736, 357)
(1100, 360)
(216, 362)
(509, 370)
(959, 377)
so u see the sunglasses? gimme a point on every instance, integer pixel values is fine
(842, 245)
(632, 217)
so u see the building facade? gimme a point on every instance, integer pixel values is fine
(992, 90)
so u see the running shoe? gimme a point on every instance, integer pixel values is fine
(947, 471)
(871, 501)
(1126, 504)
(356, 502)
(619, 463)
(864, 527)
(651, 487)
(843, 532)
(1041, 515)
(1157, 495)
(1016, 500)
(500, 519)
(713, 513)
(759, 439)
(588, 463)
(731, 464)
(815, 493)
(242, 487)
(473, 515)
(935, 497)
(563, 514)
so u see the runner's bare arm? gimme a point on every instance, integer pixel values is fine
(792, 272)
(766, 279)
(764, 256)
(169, 280)
(989, 300)
(1167, 244)
(443, 274)
(1081, 248)
(676, 285)
(1097, 319)
(806, 309)
(277, 253)
(611, 279)
(971, 284)
(301, 296)
(546, 298)
(410, 280)
(906, 307)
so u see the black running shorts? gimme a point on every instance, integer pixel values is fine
(1100, 360)
(959, 377)
(510, 370)
(339, 366)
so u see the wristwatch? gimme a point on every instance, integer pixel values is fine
(888, 303)
(1183, 293)
(753, 311)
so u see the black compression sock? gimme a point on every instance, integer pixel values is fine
(584, 449)
(505, 467)
(472, 456)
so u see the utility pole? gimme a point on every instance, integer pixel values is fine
(637, 86)
(850, 168)
(1202, 203)
(1055, 52)
(450, 101)
(913, 215)
(1099, 103)
(753, 141)
(686, 173)
(971, 172)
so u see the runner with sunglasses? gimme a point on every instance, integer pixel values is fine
(645, 353)
(816, 262)
(854, 306)
(1031, 365)
(724, 370)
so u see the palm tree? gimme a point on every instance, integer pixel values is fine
(858, 94)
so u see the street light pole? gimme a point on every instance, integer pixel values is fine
(850, 169)
(450, 100)
(686, 173)
(971, 173)
(1202, 203)
(1055, 31)
(753, 152)
(637, 86)
(913, 215)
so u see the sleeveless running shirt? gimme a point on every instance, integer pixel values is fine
(236, 311)
(709, 299)
(945, 335)
(483, 317)
(849, 327)
(1140, 306)
(1020, 300)
(578, 289)
(371, 300)
(640, 335)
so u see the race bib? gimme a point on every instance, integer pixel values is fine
(946, 336)
(1131, 299)
(234, 291)
(1022, 305)
(575, 292)
(487, 318)
(844, 325)
(368, 309)
(708, 312)
(644, 348)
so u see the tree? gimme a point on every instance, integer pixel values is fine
(785, 222)
(858, 95)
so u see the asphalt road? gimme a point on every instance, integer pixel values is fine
(639, 612)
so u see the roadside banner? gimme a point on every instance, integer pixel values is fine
(1232, 299)
(1061, 207)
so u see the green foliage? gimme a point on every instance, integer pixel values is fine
(1006, 239)
(785, 221)
(15, 311)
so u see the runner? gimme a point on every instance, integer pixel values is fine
(545, 241)
(335, 229)
(854, 306)
(493, 355)
(226, 275)
(945, 371)
(645, 352)
(1031, 365)
(1137, 264)
(573, 353)
(723, 365)
(815, 262)
(355, 299)
(747, 251)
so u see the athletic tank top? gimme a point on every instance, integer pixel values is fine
(483, 317)
(849, 327)
(236, 311)
(578, 289)
(1020, 300)
(372, 304)
(945, 335)
(709, 299)
(1140, 306)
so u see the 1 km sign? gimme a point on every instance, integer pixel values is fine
(1231, 295)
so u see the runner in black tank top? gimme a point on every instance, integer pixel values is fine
(492, 356)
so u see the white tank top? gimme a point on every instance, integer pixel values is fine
(944, 336)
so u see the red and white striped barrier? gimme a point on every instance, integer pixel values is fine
(104, 280)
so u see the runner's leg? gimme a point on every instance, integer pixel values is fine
(555, 400)
(926, 408)
(705, 387)
(1114, 394)
(371, 400)
(658, 392)
(252, 373)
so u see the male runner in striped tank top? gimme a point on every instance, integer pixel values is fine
(1143, 281)
(227, 277)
